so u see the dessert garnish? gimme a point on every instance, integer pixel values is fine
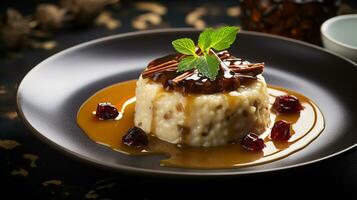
(135, 137)
(106, 111)
(206, 62)
(280, 131)
(252, 142)
(199, 69)
(287, 104)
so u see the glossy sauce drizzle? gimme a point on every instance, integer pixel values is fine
(306, 127)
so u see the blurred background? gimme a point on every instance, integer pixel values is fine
(32, 30)
(36, 23)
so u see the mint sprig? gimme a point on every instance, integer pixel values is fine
(188, 63)
(207, 64)
(185, 46)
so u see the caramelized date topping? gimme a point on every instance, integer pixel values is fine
(233, 73)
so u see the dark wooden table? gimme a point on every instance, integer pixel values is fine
(31, 168)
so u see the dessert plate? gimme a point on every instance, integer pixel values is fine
(51, 94)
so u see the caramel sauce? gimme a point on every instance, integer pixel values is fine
(306, 127)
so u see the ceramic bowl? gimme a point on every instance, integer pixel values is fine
(339, 34)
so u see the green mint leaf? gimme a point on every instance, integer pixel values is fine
(224, 37)
(208, 66)
(188, 63)
(185, 46)
(204, 40)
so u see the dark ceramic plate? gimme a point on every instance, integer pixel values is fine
(51, 94)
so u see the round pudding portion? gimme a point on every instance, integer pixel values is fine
(202, 119)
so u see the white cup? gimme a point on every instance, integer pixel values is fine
(339, 34)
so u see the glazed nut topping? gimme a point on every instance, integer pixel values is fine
(232, 73)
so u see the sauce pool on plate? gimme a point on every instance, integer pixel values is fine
(306, 126)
